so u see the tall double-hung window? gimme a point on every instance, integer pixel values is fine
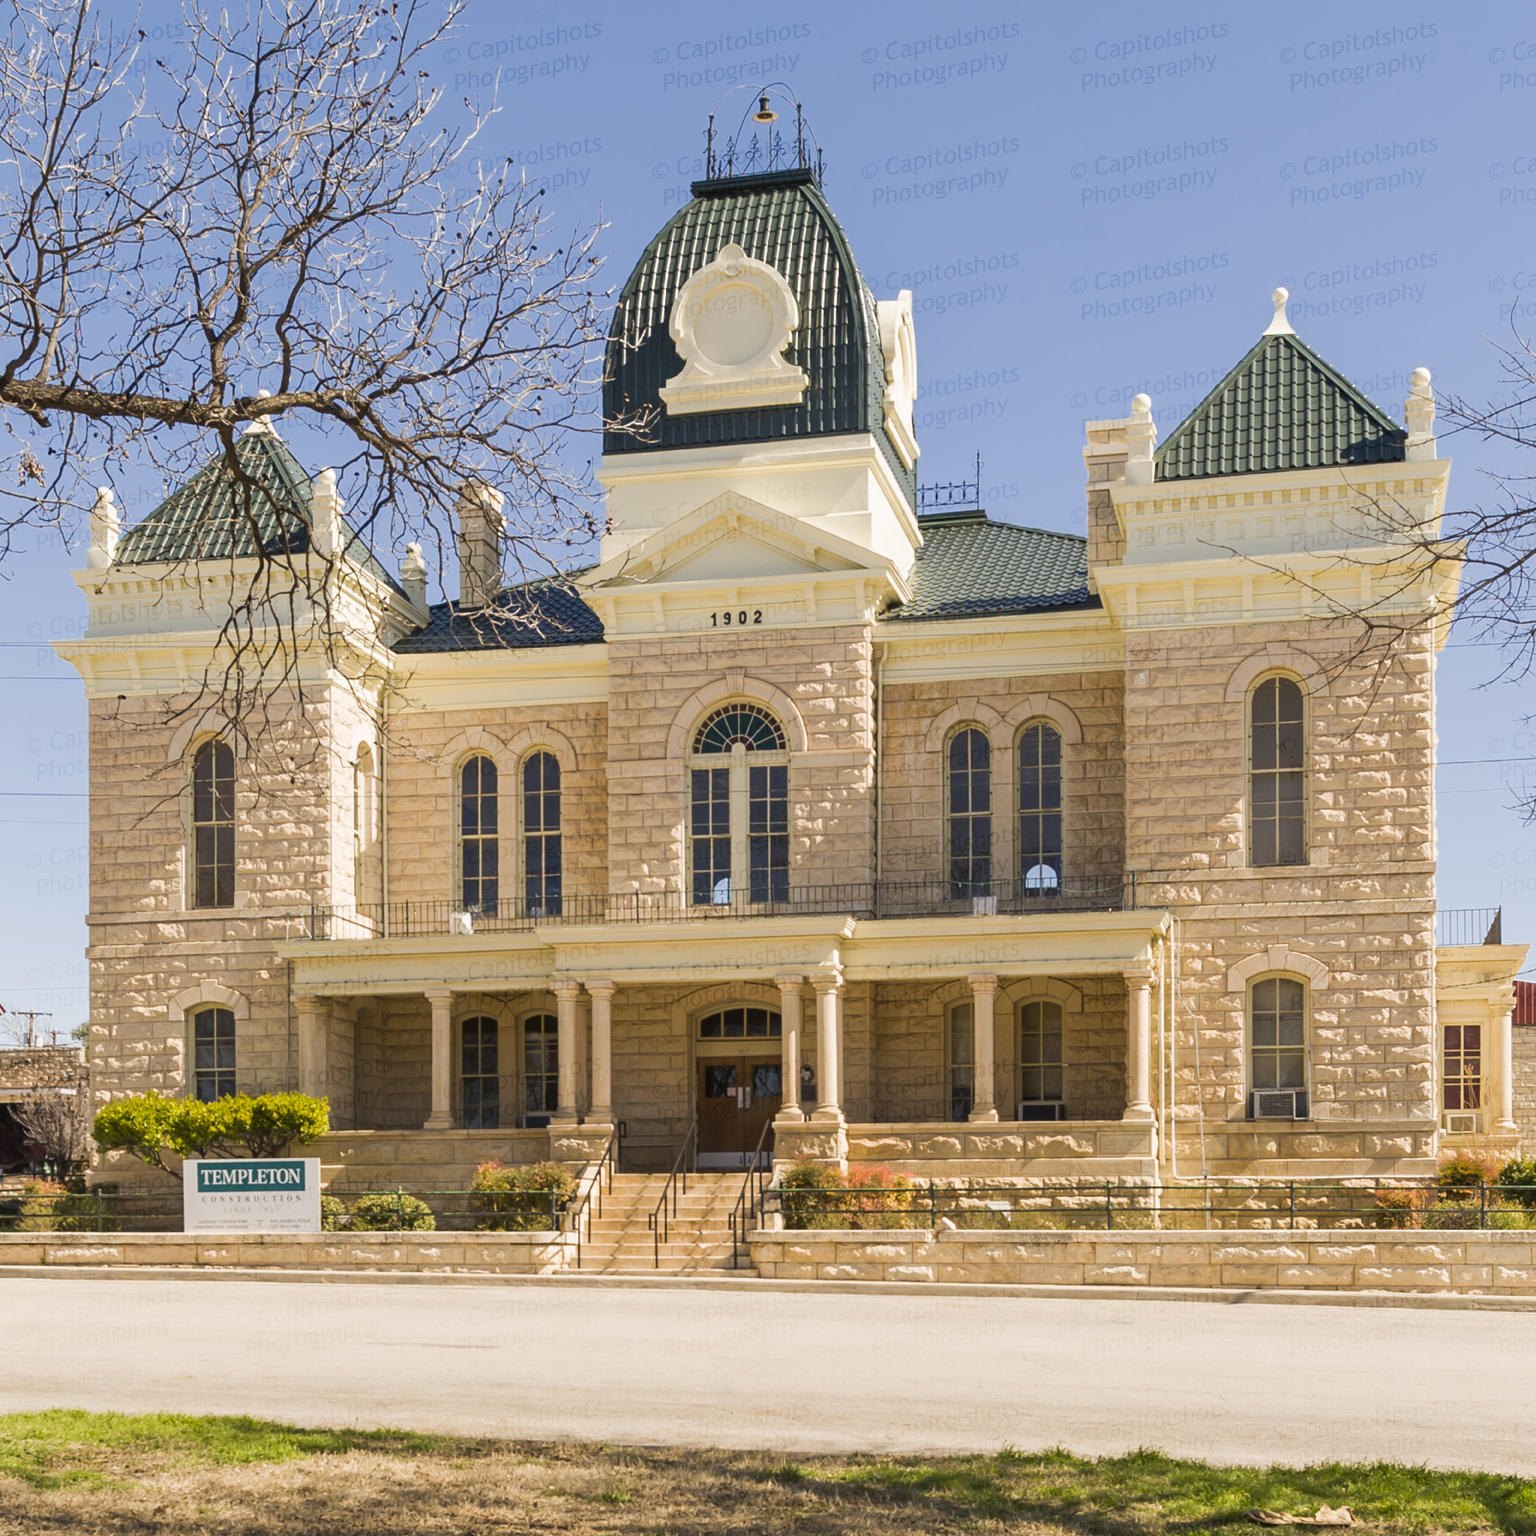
(968, 794)
(1040, 808)
(1277, 774)
(738, 788)
(479, 846)
(213, 825)
(541, 835)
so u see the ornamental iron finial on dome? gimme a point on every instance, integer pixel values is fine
(766, 150)
(1280, 326)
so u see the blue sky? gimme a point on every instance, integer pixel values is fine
(1086, 202)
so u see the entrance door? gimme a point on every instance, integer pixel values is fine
(738, 1096)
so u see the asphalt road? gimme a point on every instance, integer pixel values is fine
(790, 1371)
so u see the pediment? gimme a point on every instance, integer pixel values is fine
(732, 538)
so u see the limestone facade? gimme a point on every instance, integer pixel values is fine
(940, 997)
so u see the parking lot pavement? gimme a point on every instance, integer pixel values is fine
(789, 1371)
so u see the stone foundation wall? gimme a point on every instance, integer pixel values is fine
(1477, 1263)
(430, 1253)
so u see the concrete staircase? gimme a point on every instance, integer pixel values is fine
(699, 1240)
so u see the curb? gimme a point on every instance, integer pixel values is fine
(1459, 1301)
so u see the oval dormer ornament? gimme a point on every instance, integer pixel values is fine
(731, 323)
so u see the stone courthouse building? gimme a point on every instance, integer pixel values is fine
(815, 814)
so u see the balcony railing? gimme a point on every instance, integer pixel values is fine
(869, 899)
(1470, 925)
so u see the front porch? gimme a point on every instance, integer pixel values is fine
(988, 1046)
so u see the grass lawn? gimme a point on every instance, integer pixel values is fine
(67, 1471)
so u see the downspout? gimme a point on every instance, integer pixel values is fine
(384, 805)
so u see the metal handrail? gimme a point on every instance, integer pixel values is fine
(660, 1221)
(580, 1214)
(745, 1207)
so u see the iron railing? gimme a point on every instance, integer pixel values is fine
(660, 1220)
(1470, 925)
(579, 1214)
(1213, 1204)
(1028, 897)
(749, 1203)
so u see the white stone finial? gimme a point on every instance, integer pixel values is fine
(1419, 412)
(327, 531)
(1140, 440)
(1280, 326)
(263, 424)
(413, 576)
(106, 528)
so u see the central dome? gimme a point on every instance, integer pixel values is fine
(782, 219)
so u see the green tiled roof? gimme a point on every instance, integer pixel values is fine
(1282, 407)
(781, 218)
(970, 567)
(211, 518)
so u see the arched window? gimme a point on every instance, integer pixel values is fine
(742, 1024)
(739, 808)
(541, 835)
(969, 799)
(213, 1054)
(481, 1082)
(541, 1068)
(213, 825)
(1041, 1061)
(479, 856)
(1040, 808)
(1278, 1048)
(1277, 774)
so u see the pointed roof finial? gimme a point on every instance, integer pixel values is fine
(1280, 326)
(262, 424)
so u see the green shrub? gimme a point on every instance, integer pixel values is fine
(334, 1216)
(813, 1196)
(529, 1198)
(1462, 1175)
(47, 1207)
(1517, 1182)
(150, 1126)
(385, 1212)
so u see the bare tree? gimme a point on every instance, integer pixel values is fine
(271, 217)
(58, 1123)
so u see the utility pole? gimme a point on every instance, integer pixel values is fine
(31, 1017)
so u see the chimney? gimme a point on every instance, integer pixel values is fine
(479, 539)
(106, 526)
(327, 532)
(413, 576)
(1419, 412)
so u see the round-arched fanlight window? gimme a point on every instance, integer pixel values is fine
(749, 724)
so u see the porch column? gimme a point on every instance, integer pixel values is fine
(829, 1044)
(789, 1069)
(601, 993)
(441, 1118)
(1138, 1046)
(566, 994)
(984, 1046)
(312, 1044)
(1503, 1042)
(583, 1021)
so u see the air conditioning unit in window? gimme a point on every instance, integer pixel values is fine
(1278, 1104)
(1461, 1122)
(1042, 1109)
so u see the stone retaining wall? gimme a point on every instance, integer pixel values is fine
(1482, 1263)
(501, 1253)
